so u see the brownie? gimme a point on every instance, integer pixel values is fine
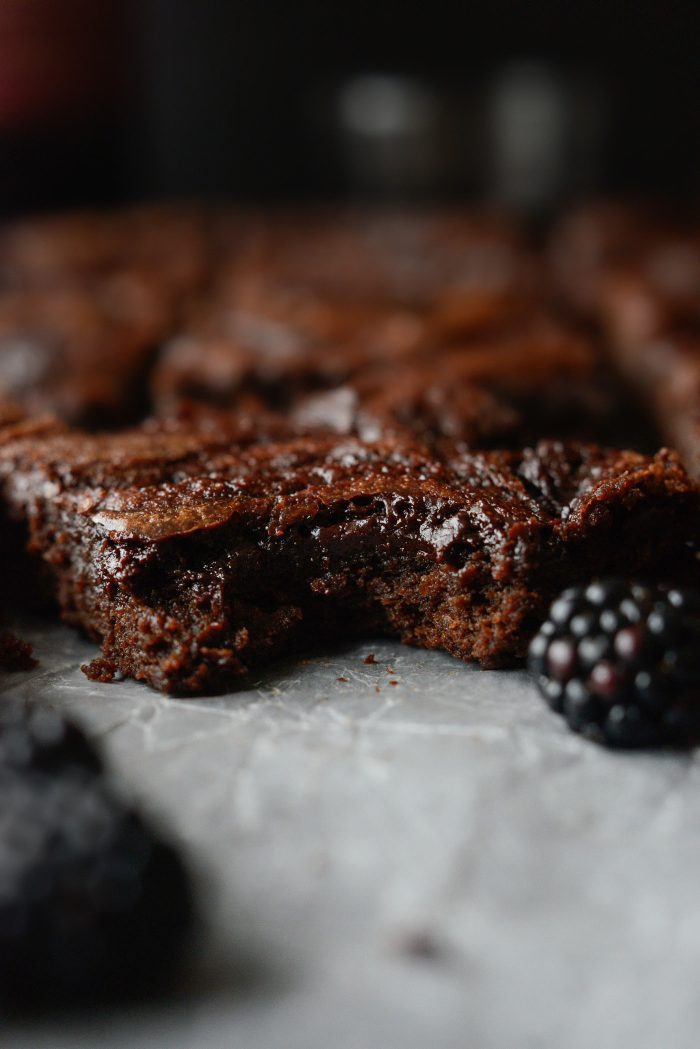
(392, 371)
(648, 310)
(24, 583)
(172, 241)
(347, 436)
(597, 237)
(656, 293)
(267, 309)
(496, 392)
(193, 560)
(82, 352)
(85, 300)
(15, 654)
(227, 357)
(304, 301)
(664, 370)
(416, 403)
(470, 269)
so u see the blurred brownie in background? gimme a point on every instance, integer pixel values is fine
(85, 301)
(595, 238)
(379, 322)
(639, 282)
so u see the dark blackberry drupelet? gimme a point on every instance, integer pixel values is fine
(621, 662)
(93, 905)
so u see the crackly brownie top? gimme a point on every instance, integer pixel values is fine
(469, 393)
(45, 452)
(155, 485)
(507, 508)
(421, 401)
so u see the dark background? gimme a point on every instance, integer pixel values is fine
(216, 98)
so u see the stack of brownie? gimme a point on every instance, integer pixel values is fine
(346, 422)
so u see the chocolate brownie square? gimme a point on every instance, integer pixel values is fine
(192, 559)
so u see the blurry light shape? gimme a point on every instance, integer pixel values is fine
(381, 106)
(389, 129)
(530, 120)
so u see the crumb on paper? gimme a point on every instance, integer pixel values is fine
(421, 945)
(341, 679)
(103, 670)
(15, 654)
(393, 682)
(370, 659)
(377, 689)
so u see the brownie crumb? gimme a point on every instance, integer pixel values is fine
(15, 654)
(100, 670)
(341, 679)
(393, 682)
(370, 659)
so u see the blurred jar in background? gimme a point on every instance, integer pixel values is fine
(545, 136)
(524, 136)
(63, 85)
(391, 140)
(406, 138)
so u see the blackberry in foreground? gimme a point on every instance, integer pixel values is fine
(621, 662)
(40, 739)
(93, 905)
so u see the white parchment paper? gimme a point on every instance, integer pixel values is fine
(411, 853)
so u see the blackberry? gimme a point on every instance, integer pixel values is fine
(40, 739)
(621, 662)
(93, 904)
